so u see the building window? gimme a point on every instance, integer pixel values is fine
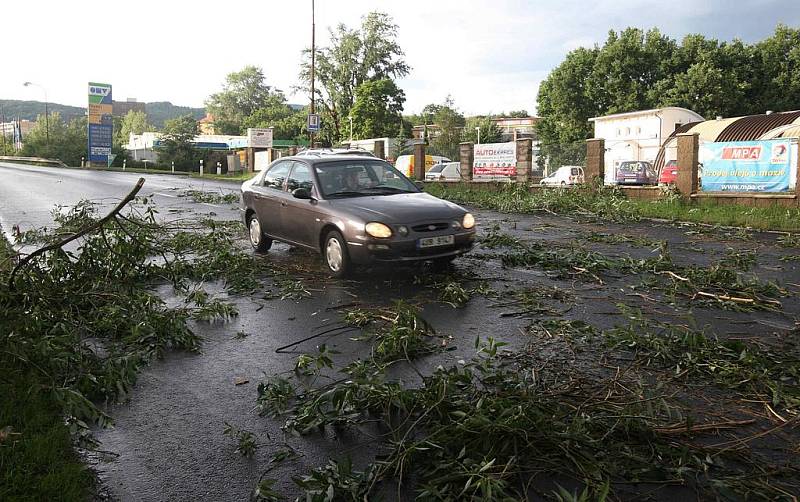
(627, 131)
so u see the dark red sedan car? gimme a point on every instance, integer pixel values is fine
(669, 173)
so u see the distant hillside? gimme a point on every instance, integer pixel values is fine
(29, 110)
(157, 112)
(160, 111)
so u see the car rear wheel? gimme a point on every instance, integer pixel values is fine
(258, 240)
(335, 255)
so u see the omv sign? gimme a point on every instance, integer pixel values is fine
(99, 91)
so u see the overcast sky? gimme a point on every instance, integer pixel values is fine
(490, 55)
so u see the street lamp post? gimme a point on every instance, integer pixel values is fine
(46, 113)
(351, 129)
(313, 61)
(478, 129)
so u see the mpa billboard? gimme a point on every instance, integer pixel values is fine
(746, 166)
(101, 125)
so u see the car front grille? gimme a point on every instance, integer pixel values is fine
(430, 227)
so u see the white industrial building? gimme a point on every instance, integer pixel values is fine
(638, 135)
(144, 146)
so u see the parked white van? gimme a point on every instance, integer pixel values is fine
(446, 171)
(405, 163)
(565, 175)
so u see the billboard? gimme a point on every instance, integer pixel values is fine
(494, 161)
(101, 125)
(259, 138)
(746, 166)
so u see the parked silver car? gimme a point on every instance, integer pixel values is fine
(353, 210)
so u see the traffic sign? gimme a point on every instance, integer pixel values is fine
(313, 122)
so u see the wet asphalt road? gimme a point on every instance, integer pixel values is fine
(29, 193)
(168, 442)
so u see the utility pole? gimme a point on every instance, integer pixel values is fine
(3, 127)
(313, 64)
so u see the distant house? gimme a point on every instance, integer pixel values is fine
(121, 108)
(638, 135)
(514, 128)
(7, 128)
(206, 124)
(511, 128)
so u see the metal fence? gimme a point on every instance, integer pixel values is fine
(549, 157)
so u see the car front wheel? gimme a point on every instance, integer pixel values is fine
(335, 255)
(258, 240)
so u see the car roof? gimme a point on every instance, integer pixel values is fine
(313, 159)
(337, 152)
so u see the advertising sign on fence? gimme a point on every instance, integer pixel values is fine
(746, 166)
(494, 162)
(101, 125)
(259, 138)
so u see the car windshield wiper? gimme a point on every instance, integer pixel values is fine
(347, 193)
(390, 189)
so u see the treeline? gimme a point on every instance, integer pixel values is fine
(638, 70)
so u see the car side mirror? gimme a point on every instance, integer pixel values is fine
(301, 193)
(420, 185)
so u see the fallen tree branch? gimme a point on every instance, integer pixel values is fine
(682, 428)
(673, 275)
(99, 223)
(735, 299)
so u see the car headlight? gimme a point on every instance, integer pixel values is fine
(378, 230)
(468, 221)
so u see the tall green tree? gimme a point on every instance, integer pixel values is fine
(176, 145)
(777, 60)
(354, 56)
(67, 142)
(287, 124)
(243, 93)
(447, 124)
(377, 109)
(635, 70)
(134, 122)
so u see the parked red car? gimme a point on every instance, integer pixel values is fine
(669, 173)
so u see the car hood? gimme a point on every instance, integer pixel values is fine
(399, 208)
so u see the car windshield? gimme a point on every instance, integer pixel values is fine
(353, 178)
(436, 169)
(632, 167)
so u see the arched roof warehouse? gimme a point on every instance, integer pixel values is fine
(747, 128)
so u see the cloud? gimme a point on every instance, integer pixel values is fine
(490, 55)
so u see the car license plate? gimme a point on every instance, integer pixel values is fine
(441, 240)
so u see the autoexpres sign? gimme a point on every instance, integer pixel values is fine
(494, 161)
(748, 166)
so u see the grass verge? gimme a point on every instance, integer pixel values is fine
(611, 204)
(37, 461)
